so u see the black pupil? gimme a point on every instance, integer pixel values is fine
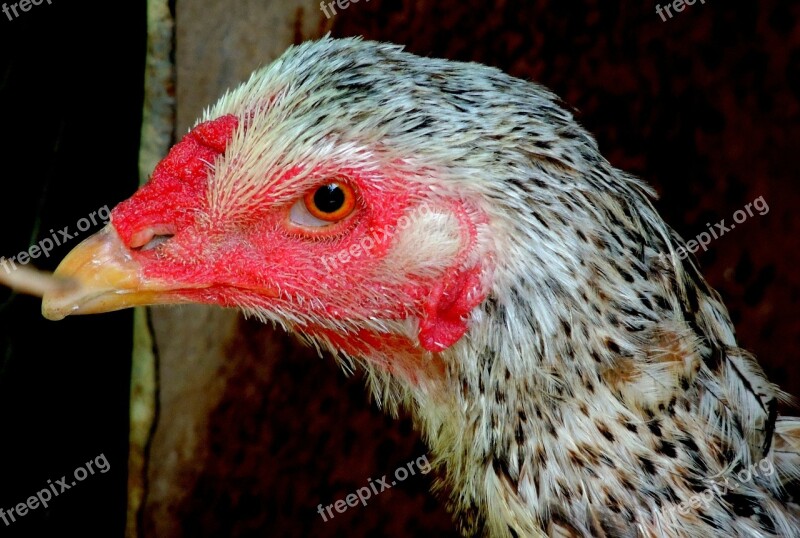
(329, 198)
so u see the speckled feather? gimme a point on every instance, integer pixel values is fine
(599, 384)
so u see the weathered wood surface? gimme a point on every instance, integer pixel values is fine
(158, 126)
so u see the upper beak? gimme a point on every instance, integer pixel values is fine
(108, 279)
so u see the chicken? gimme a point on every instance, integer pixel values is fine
(454, 232)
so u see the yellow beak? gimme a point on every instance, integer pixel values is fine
(107, 277)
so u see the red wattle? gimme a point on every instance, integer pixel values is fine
(445, 315)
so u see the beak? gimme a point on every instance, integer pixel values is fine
(107, 278)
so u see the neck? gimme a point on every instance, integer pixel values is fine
(546, 398)
(492, 420)
(581, 388)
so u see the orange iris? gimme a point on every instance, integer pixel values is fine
(331, 202)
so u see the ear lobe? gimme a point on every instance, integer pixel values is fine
(446, 311)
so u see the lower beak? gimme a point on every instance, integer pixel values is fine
(108, 279)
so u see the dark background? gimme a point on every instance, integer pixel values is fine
(704, 106)
(71, 90)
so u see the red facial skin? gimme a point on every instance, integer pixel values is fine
(260, 258)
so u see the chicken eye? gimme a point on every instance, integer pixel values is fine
(328, 203)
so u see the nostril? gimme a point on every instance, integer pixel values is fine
(151, 238)
(155, 242)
